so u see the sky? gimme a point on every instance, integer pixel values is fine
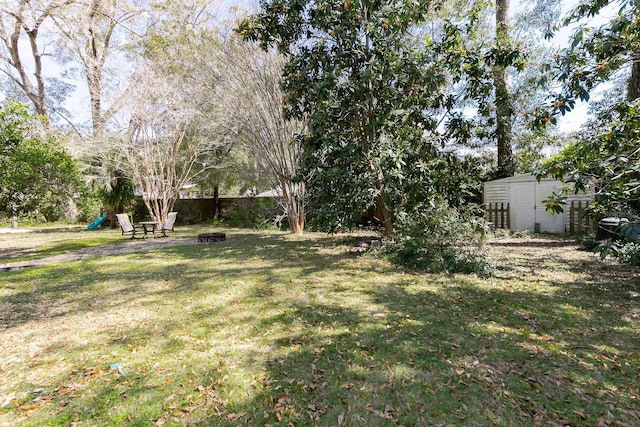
(78, 104)
(573, 120)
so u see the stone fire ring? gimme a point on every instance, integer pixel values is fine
(211, 237)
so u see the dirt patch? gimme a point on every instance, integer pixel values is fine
(113, 249)
(538, 257)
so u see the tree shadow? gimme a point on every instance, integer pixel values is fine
(437, 357)
(78, 283)
(412, 349)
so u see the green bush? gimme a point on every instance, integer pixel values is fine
(627, 252)
(627, 247)
(441, 239)
(630, 253)
(88, 207)
(254, 213)
(37, 175)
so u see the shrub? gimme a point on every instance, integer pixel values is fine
(254, 212)
(89, 205)
(627, 247)
(627, 252)
(441, 239)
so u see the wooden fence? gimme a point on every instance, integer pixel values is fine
(579, 223)
(197, 211)
(498, 214)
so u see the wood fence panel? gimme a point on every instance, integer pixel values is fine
(498, 214)
(579, 223)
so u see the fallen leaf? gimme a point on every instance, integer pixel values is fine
(163, 419)
(233, 416)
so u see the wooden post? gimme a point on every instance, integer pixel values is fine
(580, 218)
(572, 212)
(498, 214)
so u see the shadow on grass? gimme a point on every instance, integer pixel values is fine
(403, 349)
(462, 356)
(38, 292)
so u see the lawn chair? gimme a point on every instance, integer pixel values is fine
(168, 226)
(126, 226)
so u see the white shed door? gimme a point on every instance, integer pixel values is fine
(548, 223)
(522, 196)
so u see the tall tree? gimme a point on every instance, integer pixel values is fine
(596, 55)
(355, 75)
(24, 21)
(609, 157)
(254, 112)
(92, 33)
(377, 83)
(173, 133)
(504, 110)
(167, 141)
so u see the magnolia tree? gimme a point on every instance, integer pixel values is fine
(606, 156)
(253, 105)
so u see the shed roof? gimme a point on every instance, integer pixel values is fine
(524, 177)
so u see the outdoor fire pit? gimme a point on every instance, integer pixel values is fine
(211, 237)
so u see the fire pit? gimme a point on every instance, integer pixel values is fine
(211, 237)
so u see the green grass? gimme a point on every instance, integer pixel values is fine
(50, 241)
(271, 329)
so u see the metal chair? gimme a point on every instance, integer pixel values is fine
(127, 227)
(168, 226)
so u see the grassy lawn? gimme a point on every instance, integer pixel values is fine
(271, 329)
(30, 244)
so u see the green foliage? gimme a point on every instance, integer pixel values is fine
(354, 76)
(252, 213)
(595, 55)
(88, 207)
(627, 249)
(438, 238)
(118, 194)
(555, 203)
(374, 93)
(628, 252)
(36, 173)
(609, 161)
(606, 156)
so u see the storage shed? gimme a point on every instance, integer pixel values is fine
(525, 195)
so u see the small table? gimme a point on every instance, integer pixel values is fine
(149, 226)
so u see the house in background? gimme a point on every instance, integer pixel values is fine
(524, 196)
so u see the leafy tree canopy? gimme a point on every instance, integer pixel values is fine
(607, 156)
(595, 55)
(378, 96)
(36, 173)
(609, 161)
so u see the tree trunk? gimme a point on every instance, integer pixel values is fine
(504, 112)
(35, 93)
(634, 80)
(216, 201)
(383, 213)
(293, 204)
